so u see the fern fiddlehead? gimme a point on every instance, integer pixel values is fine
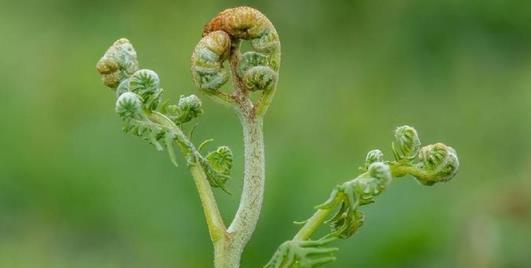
(254, 73)
(208, 71)
(144, 114)
(139, 98)
(119, 62)
(429, 165)
(255, 70)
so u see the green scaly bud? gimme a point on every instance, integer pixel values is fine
(122, 87)
(251, 59)
(189, 107)
(372, 156)
(221, 160)
(407, 143)
(436, 163)
(129, 106)
(259, 78)
(146, 83)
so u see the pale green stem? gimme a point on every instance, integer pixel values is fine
(312, 224)
(224, 254)
(246, 218)
(253, 182)
(321, 215)
(228, 252)
(213, 217)
(399, 170)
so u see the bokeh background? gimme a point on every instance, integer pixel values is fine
(76, 192)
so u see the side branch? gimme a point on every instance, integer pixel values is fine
(312, 224)
(429, 165)
(216, 227)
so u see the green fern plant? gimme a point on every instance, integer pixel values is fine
(254, 77)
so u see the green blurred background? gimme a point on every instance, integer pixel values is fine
(76, 192)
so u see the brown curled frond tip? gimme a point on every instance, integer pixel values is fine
(240, 22)
(257, 69)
